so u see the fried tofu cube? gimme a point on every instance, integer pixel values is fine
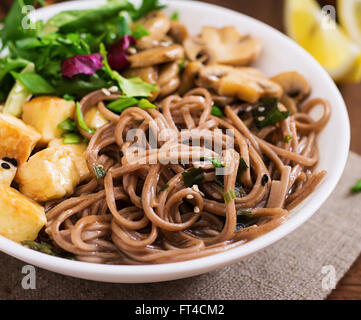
(45, 113)
(94, 119)
(49, 174)
(20, 218)
(78, 156)
(8, 169)
(17, 140)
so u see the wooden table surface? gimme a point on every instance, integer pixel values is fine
(271, 13)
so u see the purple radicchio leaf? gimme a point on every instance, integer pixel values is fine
(82, 64)
(117, 58)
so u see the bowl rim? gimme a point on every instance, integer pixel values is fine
(177, 270)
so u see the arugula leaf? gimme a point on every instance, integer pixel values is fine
(132, 87)
(68, 21)
(68, 97)
(146, 104)
(146, 7)
(46, 248)
(81, 121)
(266, 113)
(139, 32)
(34, 82)
(193, 176)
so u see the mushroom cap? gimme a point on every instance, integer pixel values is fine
(156, 56)
(158, 25)
(178, 32)
(230, 47)
(294, 85)
(248, 84)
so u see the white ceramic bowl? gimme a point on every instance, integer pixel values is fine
(279, 54)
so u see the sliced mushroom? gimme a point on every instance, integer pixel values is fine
(168, 80)
(189, 74)
(247, 84)
(295, 89)
(178, 32)
(196, 50)
(229, 47)
(147, 74)
(155, 56)
(158, 25)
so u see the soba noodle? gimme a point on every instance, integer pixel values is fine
(142, 212)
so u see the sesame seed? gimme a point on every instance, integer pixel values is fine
(190, 196)
(113, 89)
(106, 92)
(261, 109)
(249, 109)
(196, 209)
(5, 165)
(261, 118)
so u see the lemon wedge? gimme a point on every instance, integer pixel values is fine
(327, 42)
(350, 17)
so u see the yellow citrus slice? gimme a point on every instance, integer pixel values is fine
(324, 39)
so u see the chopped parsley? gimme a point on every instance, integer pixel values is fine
(267, 113)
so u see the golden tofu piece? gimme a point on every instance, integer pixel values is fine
(49, 174)
(78, 156)
(20, 218)
(94, 119)
(8, 169)
(45, 113)
(17, 140)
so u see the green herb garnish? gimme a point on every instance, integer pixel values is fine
(216, 111)
(34, 82)
(99, 171)
(242, 167)
(216, 162)
(288, 138)
(45, 248)
(175, 16)
(121, 104)
(81, 120)
(182, 64)
(68, 97)
(193, 176)
(139, 32)
(146, 104)
(267, 113)
(357, 187)
(165, 187)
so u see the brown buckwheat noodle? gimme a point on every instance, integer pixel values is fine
(142, 213)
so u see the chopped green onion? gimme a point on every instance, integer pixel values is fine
(165, 187)
(357, 187)
(99, 171)
(121, 104)
(246, 213)
(139, 32)
(81, 120)
(72, 138)
(182, 64)
(239, 191)
(288, 138)
(45, 248)
(193, 176)
(175, 16)
(68, 97)
(267, 113)
(34, 82)
(216, 162)
(146, 104)
(229, 196)
(216, 111)
(67, 125)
